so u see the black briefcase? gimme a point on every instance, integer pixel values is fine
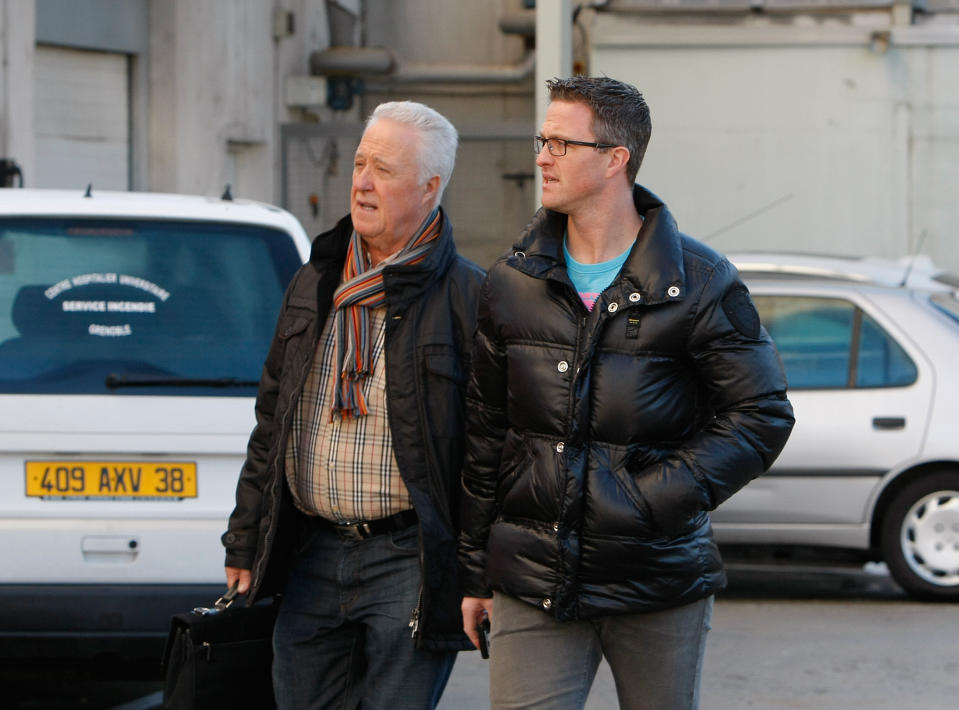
(220, 657)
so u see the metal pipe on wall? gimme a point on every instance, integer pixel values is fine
(381, 63)
(554, 58)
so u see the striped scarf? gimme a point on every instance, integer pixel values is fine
(362, 288)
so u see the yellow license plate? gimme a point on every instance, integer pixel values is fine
(111, 480)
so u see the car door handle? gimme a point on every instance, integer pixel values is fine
(888, 422)
(109, 548)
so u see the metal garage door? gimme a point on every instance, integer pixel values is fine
(82, 113)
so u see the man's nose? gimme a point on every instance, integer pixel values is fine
(361, 178)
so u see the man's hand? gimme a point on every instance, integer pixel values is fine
(243, 576)
(475, 609)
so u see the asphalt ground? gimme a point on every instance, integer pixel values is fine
(783, 638)
(801, 638)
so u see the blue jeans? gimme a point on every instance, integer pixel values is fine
(539, 662)
(342, 636)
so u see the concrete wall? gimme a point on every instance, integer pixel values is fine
(829, 130)
(17, 22)
(218, 74)
(490, 197)
(212, 97)
(809, 138)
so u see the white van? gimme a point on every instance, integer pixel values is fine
(133, 328)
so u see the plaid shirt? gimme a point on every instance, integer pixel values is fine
(344, 469)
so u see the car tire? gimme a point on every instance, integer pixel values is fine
(920, 537)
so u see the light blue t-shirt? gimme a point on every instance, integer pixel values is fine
(591, 280)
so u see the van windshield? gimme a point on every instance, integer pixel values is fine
(95, 306)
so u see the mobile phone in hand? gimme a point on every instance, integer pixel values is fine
(482, 630)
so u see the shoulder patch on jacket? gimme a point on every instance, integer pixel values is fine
(741, 312)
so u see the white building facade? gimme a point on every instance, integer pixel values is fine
(808, 125)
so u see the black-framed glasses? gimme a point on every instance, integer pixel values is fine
(557, 146)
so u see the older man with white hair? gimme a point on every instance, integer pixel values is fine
(345, 502)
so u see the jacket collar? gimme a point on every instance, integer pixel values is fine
(653, 267)
(402, 282)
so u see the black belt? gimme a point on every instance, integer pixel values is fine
(370, 528)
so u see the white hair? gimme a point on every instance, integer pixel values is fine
(436, 151)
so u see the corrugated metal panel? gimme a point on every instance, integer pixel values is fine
(82, 111)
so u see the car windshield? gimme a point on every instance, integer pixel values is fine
(138, 306)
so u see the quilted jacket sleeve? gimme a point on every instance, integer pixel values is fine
(744, 383)
(485, 431)
(240, 539)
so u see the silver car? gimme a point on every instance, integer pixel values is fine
(873, 462)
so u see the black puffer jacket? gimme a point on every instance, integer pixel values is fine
(430, 319)
(598, 440)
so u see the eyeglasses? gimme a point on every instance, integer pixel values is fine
(557, 146)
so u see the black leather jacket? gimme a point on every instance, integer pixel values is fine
(597, 440)
(431, 315)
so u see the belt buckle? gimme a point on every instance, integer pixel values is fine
(354, 531)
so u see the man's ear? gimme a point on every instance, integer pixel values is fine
(618, 159)
(430, 188)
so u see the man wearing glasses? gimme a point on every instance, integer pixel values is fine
(621, 387)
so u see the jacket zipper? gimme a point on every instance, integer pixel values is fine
(415, 616)
(577, 359)
(417, 612)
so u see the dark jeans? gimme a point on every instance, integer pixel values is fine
(342, 636)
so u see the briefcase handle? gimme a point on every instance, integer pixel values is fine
(220, 604)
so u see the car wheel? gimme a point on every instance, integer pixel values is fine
(920, 537)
